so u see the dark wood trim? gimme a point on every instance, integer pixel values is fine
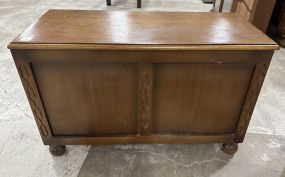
(163, 139)
(142, 47)
(261, 68)
(145, 98)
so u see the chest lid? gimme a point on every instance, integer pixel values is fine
(123, 30)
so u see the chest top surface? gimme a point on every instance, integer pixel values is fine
(82, 28)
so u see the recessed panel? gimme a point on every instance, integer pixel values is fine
(199, 98)
(88, 98)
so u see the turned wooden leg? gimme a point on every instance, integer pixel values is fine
(108, 2)
(57, 150)
(230, 148)
(139, 3)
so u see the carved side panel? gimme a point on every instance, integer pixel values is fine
(145, 101)
(29, 85)
(251, 99)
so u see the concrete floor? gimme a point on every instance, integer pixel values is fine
(23, 154)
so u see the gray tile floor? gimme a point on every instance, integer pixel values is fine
(23, 154)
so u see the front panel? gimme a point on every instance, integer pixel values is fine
(88, 98)
(186, 96)
(199, 98)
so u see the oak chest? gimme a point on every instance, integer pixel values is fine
(94, 77)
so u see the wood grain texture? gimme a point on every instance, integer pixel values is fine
(120, 27)
(194, 98)
(89, 98)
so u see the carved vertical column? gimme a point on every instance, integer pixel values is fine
(251, 98)
(145, 98)
(27, 78)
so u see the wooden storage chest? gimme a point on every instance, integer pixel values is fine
(95, 77)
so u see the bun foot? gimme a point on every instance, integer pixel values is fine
(230, 148)
(57, 150)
